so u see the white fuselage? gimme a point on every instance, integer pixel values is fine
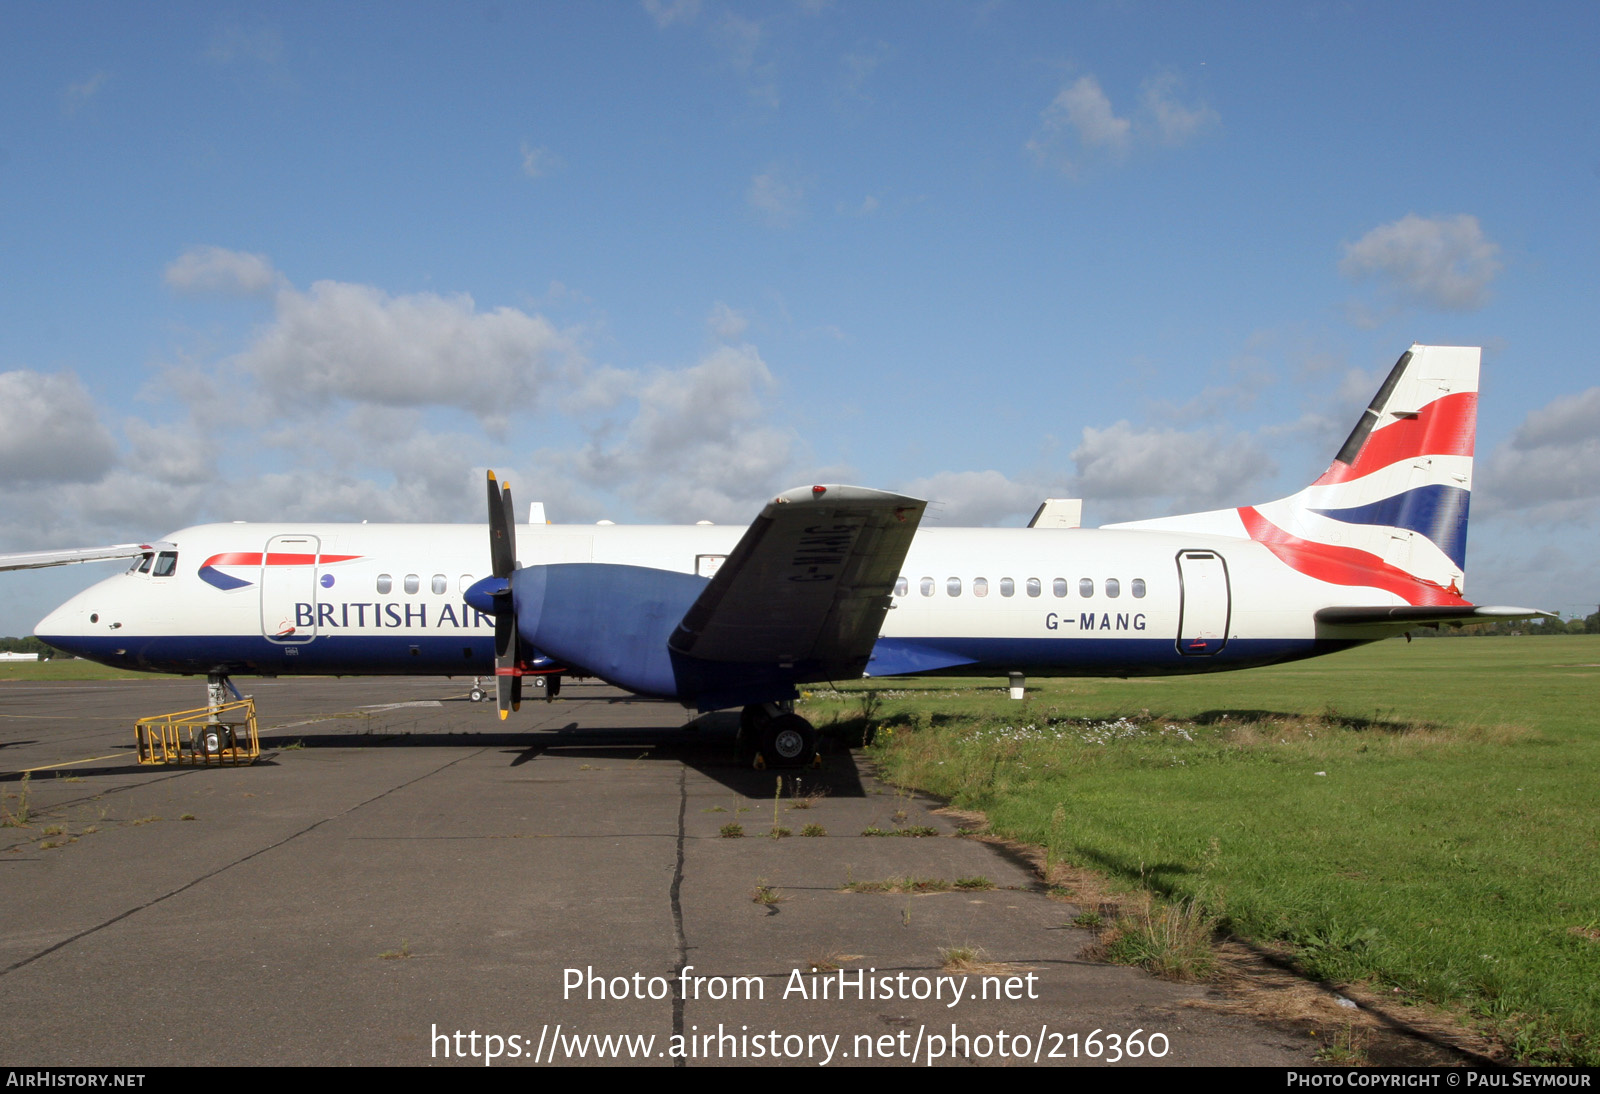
(372, 598)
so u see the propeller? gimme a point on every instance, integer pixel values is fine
(503, 561)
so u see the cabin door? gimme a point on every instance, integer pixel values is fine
(1203, 614)
(289, 589)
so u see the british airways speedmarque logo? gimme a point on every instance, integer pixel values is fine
(212, 570)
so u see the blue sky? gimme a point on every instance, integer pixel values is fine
(658, 261)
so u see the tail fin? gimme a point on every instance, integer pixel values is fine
(1391, 510)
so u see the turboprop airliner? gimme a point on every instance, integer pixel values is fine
(829, 583)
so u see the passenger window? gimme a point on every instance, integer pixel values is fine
(1113, 587)
(927, 586)
(953, 586)
(901, 586)
(1007, 586)
(440, 584)
(1034, 587)
(413, 583)
(166, 564)
(1086, 587)
(1059, 586)
(1138, 586)
(980, 586)
(385, 583)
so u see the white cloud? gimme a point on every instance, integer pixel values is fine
(699, 447)
(1175, 122)
(236, 43)
(1440, 262)
(1550, 468)
(779, 199)
(1197, 468)
(355, 342)
(50, 431)
(217, 269)
(974, 498)
(1081, 122)
(668, 12)
(539, 162)
(858, 67)
(740, 39)
(180, 456)
(1079, 115)
(726, 324)
(78, 95)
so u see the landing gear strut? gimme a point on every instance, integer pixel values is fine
(220, 692)
(778, 737)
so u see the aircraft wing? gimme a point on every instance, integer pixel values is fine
(811, 580)
(1420, 615)
(34, 560)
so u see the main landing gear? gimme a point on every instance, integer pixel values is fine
(546, 685)
(777, 736)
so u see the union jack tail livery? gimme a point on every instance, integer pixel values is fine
(1390, 512)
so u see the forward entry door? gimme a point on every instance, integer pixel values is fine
(289, 589)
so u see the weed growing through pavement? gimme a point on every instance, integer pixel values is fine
(732, 830)
(900, 885)
(1171, 940)
(831, 961)
(18, 817)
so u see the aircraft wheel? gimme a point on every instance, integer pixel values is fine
(788, 741)
(478, 695)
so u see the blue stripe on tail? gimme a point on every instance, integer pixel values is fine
(1436, 511)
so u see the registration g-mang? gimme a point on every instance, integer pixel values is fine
(828, 583)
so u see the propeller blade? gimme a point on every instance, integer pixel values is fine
(503, 560)
(502, 529)
(507, 673)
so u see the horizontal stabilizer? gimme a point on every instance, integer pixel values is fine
(810, 581)
(1418, 615)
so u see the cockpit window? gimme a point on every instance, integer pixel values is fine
(166, 564)
(144, 563)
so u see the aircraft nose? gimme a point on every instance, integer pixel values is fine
(62, 626)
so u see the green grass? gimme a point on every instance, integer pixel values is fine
(1448, 849)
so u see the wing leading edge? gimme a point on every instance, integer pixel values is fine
(34, 560)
